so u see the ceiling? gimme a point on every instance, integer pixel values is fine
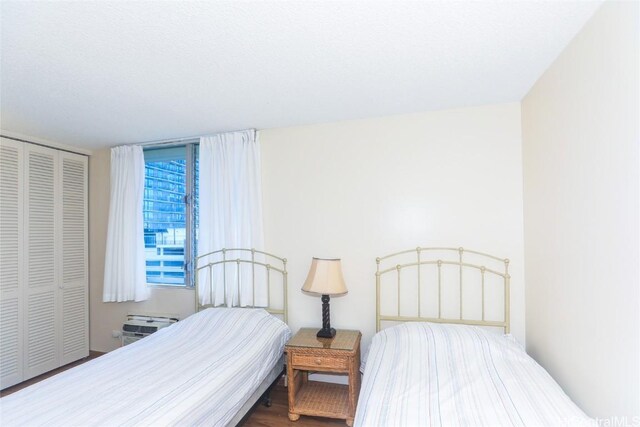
(95, 74)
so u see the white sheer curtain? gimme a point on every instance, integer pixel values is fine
(231, 217)
(124, 265)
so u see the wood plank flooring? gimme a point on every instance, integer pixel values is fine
(7, 391)
(277, 414)
(259, 416)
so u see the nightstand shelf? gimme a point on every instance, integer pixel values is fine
(323, 399)
(339, 355)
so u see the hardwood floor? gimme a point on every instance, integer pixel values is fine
(7, 391)
(259, 416)
(277, 414)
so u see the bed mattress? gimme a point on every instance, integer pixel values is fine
(199, 371)
(428, 374)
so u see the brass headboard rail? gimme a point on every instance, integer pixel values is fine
(461, 264)
(280, 268)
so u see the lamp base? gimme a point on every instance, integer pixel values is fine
(326, 333)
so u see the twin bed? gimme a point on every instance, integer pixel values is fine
(435, 366)
(200, 371)
(208, 369)
(449, 360)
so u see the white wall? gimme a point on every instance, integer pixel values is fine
(358, 190)
(362, 189)
(580, 153)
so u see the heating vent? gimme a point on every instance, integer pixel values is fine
(139, 326)
(139, 329)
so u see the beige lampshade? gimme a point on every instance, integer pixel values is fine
(325, 277)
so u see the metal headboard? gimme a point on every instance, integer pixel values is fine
(422, 258)
(279, 268)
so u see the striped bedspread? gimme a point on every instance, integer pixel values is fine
(198, 371)
(427, 374)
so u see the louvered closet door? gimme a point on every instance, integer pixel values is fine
(73, 301)
(41, 216)
(11, 222)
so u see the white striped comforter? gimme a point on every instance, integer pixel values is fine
(428, 374)
(199, 371)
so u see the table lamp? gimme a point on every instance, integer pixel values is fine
(325, 278)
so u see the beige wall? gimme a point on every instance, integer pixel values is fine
(362, 189)
(580, 154)
(107, 317)
(357, 190)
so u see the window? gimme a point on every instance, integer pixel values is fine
(170, 214)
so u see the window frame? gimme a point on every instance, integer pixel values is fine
(189, 199)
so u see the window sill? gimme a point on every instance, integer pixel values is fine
(161, 286)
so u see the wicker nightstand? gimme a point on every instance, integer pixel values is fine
(341, 355)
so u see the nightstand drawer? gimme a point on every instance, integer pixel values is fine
(325, 362)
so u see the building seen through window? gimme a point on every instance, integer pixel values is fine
(170, 214)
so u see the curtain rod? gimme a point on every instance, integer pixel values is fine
(166, 141)
(170, 141)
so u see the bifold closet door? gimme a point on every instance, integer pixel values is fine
(73, 301)
(41, 264)
(43, 260)
(11, 275)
